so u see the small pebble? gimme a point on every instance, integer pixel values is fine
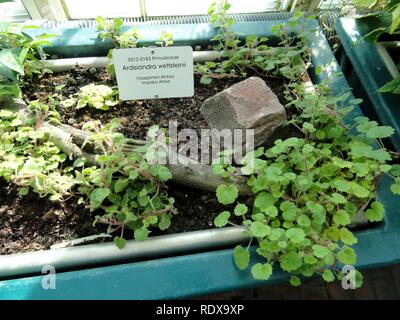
(92, 70)
(71, 121)
(4, 233)
(197, 48)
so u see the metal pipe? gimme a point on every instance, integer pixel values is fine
(59, 65)
(86, 255)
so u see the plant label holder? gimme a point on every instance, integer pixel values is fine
(154, 73)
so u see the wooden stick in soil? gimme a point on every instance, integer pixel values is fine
(186, 172)
(157, 106)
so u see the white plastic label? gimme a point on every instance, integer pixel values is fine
(154, 73)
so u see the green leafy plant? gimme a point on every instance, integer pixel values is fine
(254, 54)
(166, 39)
(112, 29)
(392, 86)
(100, 97)
(28, 158)
(8, 89)
(123, 184)
(225, 38)
(19, 56)
(382, 9)
(307, 190)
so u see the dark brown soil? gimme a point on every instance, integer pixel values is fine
(135, 116)
(197, 210)
(32, 223)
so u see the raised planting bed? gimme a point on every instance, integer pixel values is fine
(371, 66)
(182, 274)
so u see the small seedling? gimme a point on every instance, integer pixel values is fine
(112, 29)
(100, 97)
(124, 186)
(166, 39)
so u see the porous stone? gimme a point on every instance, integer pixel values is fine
(249, 104)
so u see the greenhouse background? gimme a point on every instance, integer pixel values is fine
(62, 10)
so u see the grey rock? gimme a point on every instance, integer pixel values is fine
(249, 104)
(92, 70)
(71, 121)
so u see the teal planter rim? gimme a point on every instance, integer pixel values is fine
(371, 69)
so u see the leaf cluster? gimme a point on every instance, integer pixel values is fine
(20, 56)
(96, 96)
(253, 54)
(27, 156)
(122, 185)
(309, 188)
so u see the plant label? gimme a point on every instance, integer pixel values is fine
(154, 73)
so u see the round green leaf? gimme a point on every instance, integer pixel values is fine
(328, 275)
(271, 212)
(296, 235)
(165, 222)
(347, 236)
(347, 256)
(141, 234)
(222, 219)
(119, 242)
(240, 209)
(291, 261)
(97, 197)
(241, 257)
(375, 213)
(264, 200)
(227, 194)
(341, 218)
(295, 281)
(380, 132)
(395, 188)
(320, 251)
(259, 229)
(337, 198)
(120, 185)
(289, 210)
(303, 220)
(261, 271)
